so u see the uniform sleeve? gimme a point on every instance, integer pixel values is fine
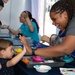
(71, 28)
(70, 31)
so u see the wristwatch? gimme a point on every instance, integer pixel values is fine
(33, 52)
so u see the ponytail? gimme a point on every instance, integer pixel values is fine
(32, 19)
(64, 5)
(36, 24)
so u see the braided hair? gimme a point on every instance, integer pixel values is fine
(32, 19)
(64, 5)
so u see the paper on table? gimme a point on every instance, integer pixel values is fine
(67, 71)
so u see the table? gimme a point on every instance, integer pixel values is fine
(4, 35)
(16, 41)
(21, 68)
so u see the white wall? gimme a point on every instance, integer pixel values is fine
(28, 5)
(5, 16)
(4, 13)
(11, 12)
(17, 6)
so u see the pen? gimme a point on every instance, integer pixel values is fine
(71, 70)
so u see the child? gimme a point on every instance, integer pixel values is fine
(6, 60)
(28, 28)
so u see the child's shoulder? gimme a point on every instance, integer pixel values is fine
(3, 60)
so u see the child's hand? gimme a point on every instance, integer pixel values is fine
(26, 15)
(23, 39)
(44, 38)
(24, 49)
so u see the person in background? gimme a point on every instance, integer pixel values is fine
(0, 23)
(62, 14)
(29, 27)
(2, 3)
(54, 39)
(7, 61)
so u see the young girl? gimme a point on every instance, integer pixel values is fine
(29, 28)
(62, 14)
(7, 61)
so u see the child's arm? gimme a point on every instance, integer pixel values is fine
(45, 39)
(28, 48)
(16, 59)
(31, 28)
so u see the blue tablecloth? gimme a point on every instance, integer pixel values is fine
(21, 69)
(4, 35)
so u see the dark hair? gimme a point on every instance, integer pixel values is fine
(1, 3)
(64, 5)
(0, 23)
(31, 18)
(5, 43)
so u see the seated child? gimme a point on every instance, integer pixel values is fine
(7, 61)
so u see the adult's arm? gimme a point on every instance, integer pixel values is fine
(65, 48)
